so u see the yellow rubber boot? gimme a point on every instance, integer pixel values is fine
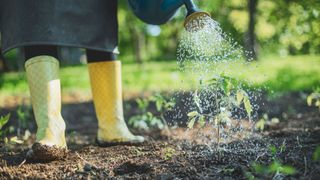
(44, 85)
(107, 97)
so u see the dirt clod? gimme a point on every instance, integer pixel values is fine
(40, 153)
(130, 167)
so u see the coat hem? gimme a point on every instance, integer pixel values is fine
(115, 50)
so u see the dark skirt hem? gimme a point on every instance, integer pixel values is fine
(115, 50)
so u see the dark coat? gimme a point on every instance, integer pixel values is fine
(90, 24)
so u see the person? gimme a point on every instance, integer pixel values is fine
(39, 28)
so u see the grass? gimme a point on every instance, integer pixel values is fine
(292, 73)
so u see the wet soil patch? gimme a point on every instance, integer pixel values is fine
(182, 154)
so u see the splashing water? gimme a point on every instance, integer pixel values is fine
(206, 53)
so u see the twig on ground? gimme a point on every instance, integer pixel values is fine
(93, 165)
(152, 143)
(24, 161)
(305, 166)
(260, 155)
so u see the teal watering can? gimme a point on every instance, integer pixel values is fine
(158, 12)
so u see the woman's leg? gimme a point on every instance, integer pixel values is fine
(105, 76)
(42, 68)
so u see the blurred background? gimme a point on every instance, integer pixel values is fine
(284, 36)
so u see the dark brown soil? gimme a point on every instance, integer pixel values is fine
(186, 154)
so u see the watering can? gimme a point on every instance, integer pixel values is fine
(158, 12)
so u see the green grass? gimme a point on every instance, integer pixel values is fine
(293, 73)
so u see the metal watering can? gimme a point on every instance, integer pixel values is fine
(161, 11)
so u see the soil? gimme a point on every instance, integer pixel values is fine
(185, 154)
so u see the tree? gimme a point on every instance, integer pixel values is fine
(250, 37)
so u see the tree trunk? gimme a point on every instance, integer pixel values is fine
(138, 45)
(250, 37)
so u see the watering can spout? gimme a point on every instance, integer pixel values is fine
(160, 11)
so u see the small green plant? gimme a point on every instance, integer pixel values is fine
(146, 120)
(260, 125)
(227, 97)
(168, 153)
(314, 98)
(316, 154)
(275, 167)
(4, 131)
(23, 115)
(3, 121)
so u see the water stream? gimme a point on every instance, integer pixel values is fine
(219, 99)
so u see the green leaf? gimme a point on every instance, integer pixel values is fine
(260, 124)
(249, 175)
(240, 97)
(274, 167)
(316, 154)
(192, 114)
(159, 105)
(202, 121)
(275, 120)
(273, 150)
(191, 123)
(309, 100)
(287, 170)
(15, 140)
(247, 105)
(229, 87)
(4, 120)
(258, 168)
(6, 140)
(217, 121)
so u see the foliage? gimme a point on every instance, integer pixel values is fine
(279, 75)
(3, 121)
(23, 114)
(284, 27)
(314, 98)
(4, 131)
(275, 168)
(260, 125)
(168, 153)
(316, 154)
(227, 97)
(146, 120)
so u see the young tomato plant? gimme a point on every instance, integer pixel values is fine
(146, 120)
(4, 131)
(275, 168)
(227, 97)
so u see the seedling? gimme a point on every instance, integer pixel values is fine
(227, 97)
(314, 98)
(260, 125)
(168, 153)
(276, 167)
(3, 132)
(23, 116)
(3, 121)
(316, 154)
(146, 120)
